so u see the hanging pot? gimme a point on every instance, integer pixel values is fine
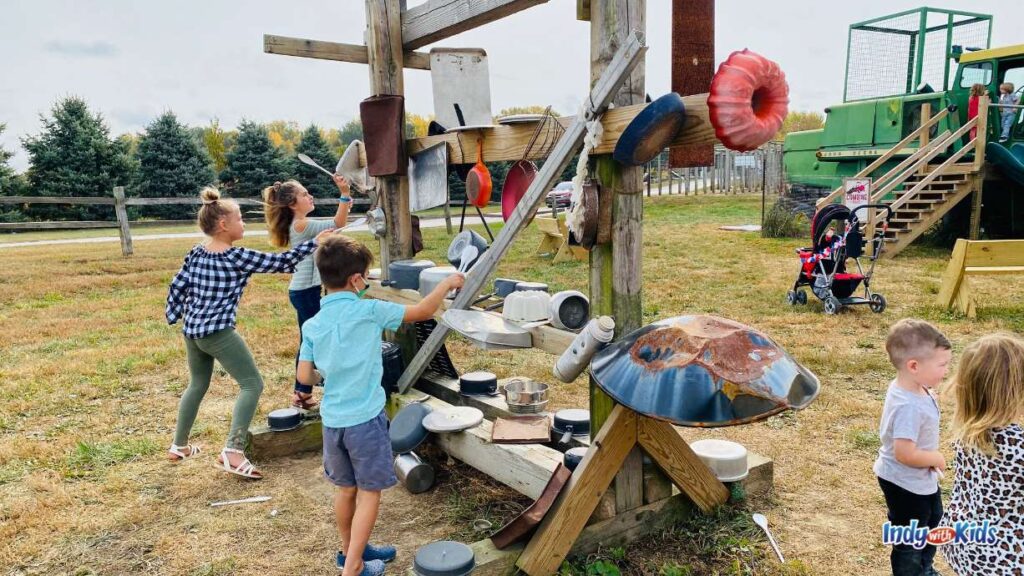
(517, 181)
(478, 182)
(571, 422)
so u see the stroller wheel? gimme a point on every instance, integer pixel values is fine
(791, 298)
(877, 304)
(832, 305)
(801, 297)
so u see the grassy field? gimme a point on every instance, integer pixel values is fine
(90, 375)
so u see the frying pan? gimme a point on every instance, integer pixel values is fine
(478, 182)
(517, 181)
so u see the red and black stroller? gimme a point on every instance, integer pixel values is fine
(823, 265)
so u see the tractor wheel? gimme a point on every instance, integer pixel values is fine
(877, 304)
(832, 305)
(801, 297)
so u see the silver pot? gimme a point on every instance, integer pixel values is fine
(415, 474)
(526, 396)
(431, 277)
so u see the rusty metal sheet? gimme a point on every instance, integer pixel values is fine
(703, 371)
(525, 523)
(693, 66)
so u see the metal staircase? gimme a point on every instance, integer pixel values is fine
(920, 189)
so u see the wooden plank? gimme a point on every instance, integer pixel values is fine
(994, 253)
(57, 225)
(629, 482)
(510, 142)
(435, 20)
(953, 276)
(337, 51)
(628, 57)
(668, 449)
(546, 338)
(99, 200)
(262, 443)
(526, 468)
(981, 121)
(563, 524)
(993, 270)
(122, 222)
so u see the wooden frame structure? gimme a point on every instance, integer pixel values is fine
(977, 258)
(614, 459)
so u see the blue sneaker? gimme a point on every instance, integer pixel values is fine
(384, 553)
(370, 567)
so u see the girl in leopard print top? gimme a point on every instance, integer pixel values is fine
(989, 467)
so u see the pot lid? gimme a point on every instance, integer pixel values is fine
(479, 377)
(453, 419)
(703, 371)
(487, 330)
(284, 419)
(444, 558)
(407, 431)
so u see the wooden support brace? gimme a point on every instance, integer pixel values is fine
(625, 60)
(337, 51)
(435, 20)
(668, 449)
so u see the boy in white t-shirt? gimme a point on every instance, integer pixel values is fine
(909, 463)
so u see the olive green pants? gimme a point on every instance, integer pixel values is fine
(228, 348)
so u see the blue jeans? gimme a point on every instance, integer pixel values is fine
(1007, 123)
(306, 303)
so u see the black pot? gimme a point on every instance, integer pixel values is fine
(405, 274)
(571, 422)
(478, 384)
(284, 419)
(573, 457)
(391, 356)
(504, 286)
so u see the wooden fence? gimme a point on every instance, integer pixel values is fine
(732, 173)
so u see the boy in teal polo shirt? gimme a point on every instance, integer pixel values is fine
(343, 341)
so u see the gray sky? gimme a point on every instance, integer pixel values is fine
(131, 60)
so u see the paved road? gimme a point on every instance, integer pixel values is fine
(426, 223)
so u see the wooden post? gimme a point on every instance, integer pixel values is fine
(615, 270)
(384, 46)
(926, 114)
(122, 221)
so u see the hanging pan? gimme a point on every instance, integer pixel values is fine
(478, 182)
(522, 173)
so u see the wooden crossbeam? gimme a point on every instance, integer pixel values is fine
(629, 55)
(436, 20)
(338, 51)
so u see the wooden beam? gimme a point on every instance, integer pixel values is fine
(668, 449)
(262, 443)
(436, 20)
(337, 51)
(526, 468)
(510, 142)
(626, 59)
(567, 517)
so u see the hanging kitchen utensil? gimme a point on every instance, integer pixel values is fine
(406, 430)
(459, 243)
(571, 422)
(517, 182)
(703, 371)
(582, 219)
(478, 182)
(383, 119)
(651, 131)
(454, 419)
(520, 119)
(521, 430)
(428, 178)
(486, 330)
(521, 527)
(310, 162)
(460, 76)
(352, 165)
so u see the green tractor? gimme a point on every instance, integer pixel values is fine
(901, 67)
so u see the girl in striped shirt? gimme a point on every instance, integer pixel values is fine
(204, 294)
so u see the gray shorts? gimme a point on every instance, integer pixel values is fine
(360, 455)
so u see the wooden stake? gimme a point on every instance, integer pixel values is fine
(122, 222)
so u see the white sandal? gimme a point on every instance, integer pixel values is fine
(244, 469)
(177, 451)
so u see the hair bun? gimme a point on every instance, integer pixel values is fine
(277, 186)
(209, 195)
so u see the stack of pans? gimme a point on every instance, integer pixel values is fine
(525, 396)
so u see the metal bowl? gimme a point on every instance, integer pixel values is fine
(524, 391)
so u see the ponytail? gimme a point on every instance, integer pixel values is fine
(277, 210)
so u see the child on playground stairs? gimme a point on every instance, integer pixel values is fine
(288, 205)
(988, 481)
(205, 294)
(978, 91)
(1006, 115)
(344, 342)
(909, 463)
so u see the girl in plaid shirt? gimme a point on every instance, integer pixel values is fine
(205, 294)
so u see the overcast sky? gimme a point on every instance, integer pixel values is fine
(133, 59)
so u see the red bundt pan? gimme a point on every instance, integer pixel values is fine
(748, 101)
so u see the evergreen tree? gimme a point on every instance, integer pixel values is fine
(171, 164)
(75, 156)
(253, 163)
(352, 130)
(312, 144)
(6, 172)
(11, 184)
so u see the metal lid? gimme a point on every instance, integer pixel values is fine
(703, 371)
(444, 558)
(454, 419)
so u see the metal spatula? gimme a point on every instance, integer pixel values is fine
(310, 162)
(761, 521)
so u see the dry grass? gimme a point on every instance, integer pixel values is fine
(90, 376)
